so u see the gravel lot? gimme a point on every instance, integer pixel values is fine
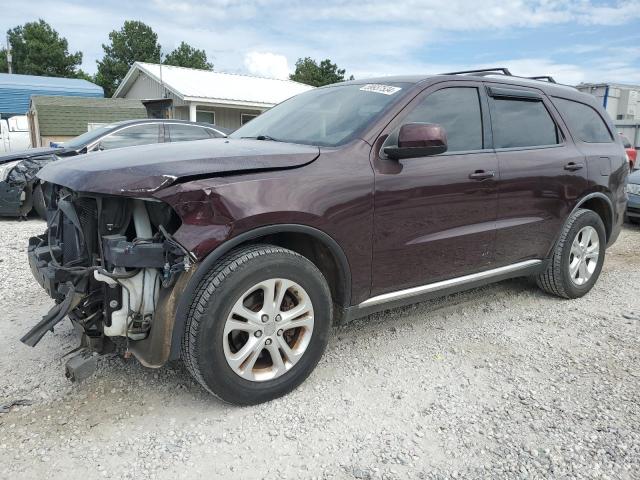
(499, 382)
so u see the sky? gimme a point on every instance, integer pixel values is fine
(573, 40)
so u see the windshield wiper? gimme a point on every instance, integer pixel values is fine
(264, 137)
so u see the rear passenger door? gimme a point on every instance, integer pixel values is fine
(541, 173)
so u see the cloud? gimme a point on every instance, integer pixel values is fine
(267, 64)
(571, 39)
(470, 15)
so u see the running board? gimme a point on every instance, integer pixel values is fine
(445, 286)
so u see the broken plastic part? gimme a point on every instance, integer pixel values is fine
(53, 317)
(80, 366)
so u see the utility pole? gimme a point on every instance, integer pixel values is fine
(9, 55)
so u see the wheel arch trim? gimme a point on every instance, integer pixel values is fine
(186, 296)
(578, 205)
(607, 200)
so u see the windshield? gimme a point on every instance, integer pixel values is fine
(328, 116)
(88, 137)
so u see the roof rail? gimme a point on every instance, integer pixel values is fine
(547, 78)
(483, 72)
(486, 71)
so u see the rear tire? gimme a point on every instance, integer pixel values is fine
(578, 256)
(38, 202)
(230, 307)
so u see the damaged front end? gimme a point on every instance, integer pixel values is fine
(105, 260)
(17, 178)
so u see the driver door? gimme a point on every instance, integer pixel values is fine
(435, 215)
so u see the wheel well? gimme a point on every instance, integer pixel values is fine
(600, 206)
(319, 254)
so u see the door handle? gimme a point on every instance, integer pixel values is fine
(572, 166)
(482, 174)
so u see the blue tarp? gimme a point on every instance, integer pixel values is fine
(16, 90)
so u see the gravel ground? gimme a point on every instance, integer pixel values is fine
(498, 382)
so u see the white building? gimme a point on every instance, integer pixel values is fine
(621, 101)
(226, 99)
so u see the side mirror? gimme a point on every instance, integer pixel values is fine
(418, 140)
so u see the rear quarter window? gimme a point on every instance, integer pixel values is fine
(583, 121)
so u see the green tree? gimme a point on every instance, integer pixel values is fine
(187, 56)
(134, 42)
(37, 49)
(308, 71)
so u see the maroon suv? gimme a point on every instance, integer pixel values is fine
(238, 254)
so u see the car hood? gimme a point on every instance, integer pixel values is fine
(30, 153)
(134, 171)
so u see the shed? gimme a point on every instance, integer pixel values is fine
(226, 99)
(61, 118)
(16, 90)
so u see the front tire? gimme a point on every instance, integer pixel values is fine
(258, 324)
(578, 256)
(38, 201)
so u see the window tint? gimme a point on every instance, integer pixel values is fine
(583, 121)
(521, 123)
(458, 111)
(130, 136)
(185, 133)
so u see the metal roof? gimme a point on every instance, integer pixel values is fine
(214, 87)
(70, 116)
(16, 90)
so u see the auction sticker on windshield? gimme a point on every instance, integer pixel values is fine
(377, 88)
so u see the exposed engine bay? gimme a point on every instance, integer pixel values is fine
(104, 260)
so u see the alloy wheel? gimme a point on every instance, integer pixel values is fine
(268, 329)
(583, 258)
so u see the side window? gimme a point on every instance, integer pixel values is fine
(583, 121)
(131, 136)
(522, 123)
(185, 133)
(457, 109)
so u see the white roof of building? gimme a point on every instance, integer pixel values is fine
(214, 87)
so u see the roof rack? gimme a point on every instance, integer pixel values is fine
(546, 78)
(486, 71)
(483, 72)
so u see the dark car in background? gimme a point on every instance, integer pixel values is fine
(237, 255)
(633, 189)
(19, 189)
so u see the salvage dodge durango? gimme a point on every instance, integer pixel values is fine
(238, 254)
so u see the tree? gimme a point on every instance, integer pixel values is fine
(308, 71)
(187, 56)
(37, 49)
(134, 42)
